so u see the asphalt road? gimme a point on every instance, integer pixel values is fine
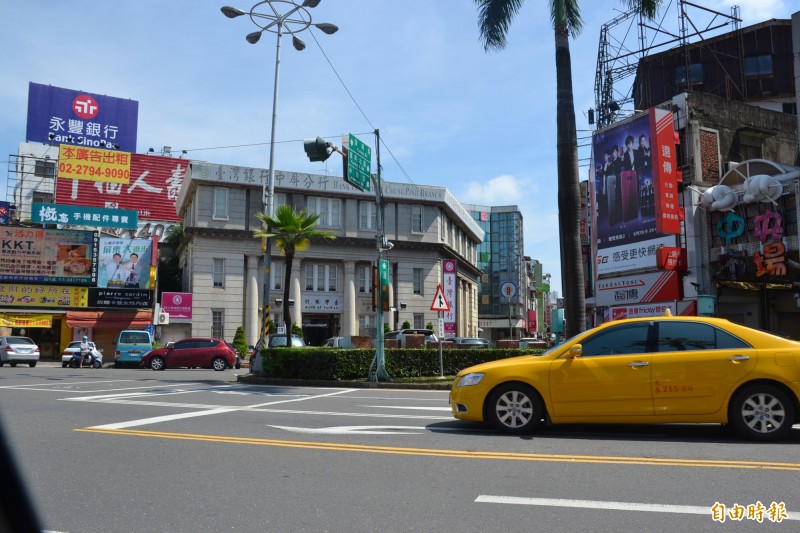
(117, 450)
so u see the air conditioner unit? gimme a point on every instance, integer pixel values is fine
(163, 318)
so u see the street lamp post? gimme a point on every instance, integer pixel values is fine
(278, 17)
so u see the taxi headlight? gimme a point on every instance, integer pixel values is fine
(470, 379)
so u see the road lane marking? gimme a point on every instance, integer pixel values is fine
(461, 454)
(613, 506)
(61, 384)
(410, 407)
(356, 430)
(195, 414)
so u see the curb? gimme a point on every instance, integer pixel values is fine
(263, 380)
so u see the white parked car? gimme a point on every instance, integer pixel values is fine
(15, 350)
(75, 346)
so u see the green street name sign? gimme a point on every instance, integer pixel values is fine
(359, 163)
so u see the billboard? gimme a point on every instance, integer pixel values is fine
(119, 298)
(66, 116)
(5, 213)
(124, 263)
(636, 289)
(94, 164)
(635, 192)
(152, 190)
(36, 296)
(177, 304)
(48, 256)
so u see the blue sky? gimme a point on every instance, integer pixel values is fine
(481, 124)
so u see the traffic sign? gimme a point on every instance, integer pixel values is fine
(508, 289)
(439, 301)
(359, 163)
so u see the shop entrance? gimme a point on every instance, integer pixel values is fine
(319, 328)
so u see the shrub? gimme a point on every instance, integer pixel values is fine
(240, 342)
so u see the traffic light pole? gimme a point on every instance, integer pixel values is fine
(379, 362)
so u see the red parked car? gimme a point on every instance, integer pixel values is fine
(195, 352)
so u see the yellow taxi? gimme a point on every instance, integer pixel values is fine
(656, 370)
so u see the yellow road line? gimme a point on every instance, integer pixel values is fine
(463, 454)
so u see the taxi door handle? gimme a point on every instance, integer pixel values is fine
(737, 358)
(639, 363)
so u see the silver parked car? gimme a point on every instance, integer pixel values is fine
(15, 350)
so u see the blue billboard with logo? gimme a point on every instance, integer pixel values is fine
(65, 116)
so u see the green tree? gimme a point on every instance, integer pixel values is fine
(292, 232)
(240, 342)
(406, 325)
(494, 19)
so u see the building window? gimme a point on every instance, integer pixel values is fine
(218, 275)
(278, 199)
(220, 203)
(366, 216)
(218, 324)
(366, 325)
(756, 66)
(42, 197)
(365, 279)
(695, 74)
(321, 278)
(276, 275)
(417, 275)
(327, 209)
(416, 219)
(44, 168)
(419, 321)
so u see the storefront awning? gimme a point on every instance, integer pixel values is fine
(109, 319)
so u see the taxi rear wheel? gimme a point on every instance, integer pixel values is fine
(762, 412)
(514, 408)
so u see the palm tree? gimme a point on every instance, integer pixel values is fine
(494, 19)
(292, 232)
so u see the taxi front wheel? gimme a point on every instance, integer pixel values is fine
(514, 408)
(762, 412)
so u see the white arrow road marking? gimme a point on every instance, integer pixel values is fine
(615, 506)
(356, 430)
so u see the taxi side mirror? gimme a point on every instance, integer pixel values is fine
(575, 351)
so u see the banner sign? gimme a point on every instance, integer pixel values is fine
(177, 304)
(83, 216)
(332, 303)
(65, 116)
(671, 258)
(643, 288)
(632, 256)
(120, 298)
(450, 287)
(48, 256)
(668, 212)
(638, 311)
(42, 296)
(8, 320)
(124, 263)
(94, 164)
(152, 190)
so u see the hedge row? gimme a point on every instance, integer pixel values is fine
(353, 364)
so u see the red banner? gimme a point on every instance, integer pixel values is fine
(671, 258)
(152, 190)
(665, 172)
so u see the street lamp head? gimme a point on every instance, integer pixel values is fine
(253, 38)
(327, 28)
(232, 12)
(297, 43)
(310, 3)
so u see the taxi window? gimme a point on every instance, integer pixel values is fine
(675, 336)
(618, 340)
